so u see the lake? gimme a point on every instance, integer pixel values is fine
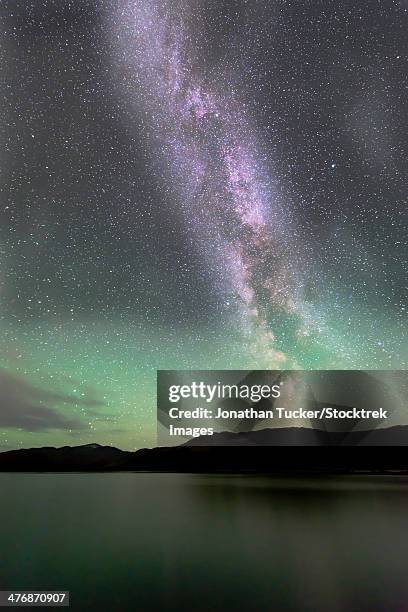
(137, 541)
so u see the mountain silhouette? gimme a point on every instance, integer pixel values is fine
(278, 450)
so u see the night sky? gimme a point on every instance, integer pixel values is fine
(197, 184)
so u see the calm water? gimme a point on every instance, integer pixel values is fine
(196, 542)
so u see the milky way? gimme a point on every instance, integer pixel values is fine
(213, 156)
(194, 184)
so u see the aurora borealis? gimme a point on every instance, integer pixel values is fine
(195, 185)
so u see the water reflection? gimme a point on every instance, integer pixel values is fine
(207, 542)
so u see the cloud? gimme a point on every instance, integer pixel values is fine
(26, 406)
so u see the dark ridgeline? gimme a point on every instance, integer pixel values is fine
(92, 457)
(279, 450)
